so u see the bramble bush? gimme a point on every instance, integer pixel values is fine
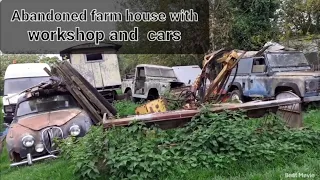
(125, 108)
(209, 140)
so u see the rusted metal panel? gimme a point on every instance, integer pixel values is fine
(53, 118)
(186, 115)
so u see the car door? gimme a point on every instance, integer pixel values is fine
(139, 83)
(258, 80)
(242, 73)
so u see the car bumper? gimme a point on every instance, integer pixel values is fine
(30, 160)
(311, 99)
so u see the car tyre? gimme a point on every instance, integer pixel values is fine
(236, 95)
(129, 95)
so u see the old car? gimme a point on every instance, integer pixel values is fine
(152, 81)
(273, 72)
(38, 121)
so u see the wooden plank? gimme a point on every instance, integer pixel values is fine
(85, 92)
(91, 89)
(84, 103)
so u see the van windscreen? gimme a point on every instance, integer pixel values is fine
(12, 86)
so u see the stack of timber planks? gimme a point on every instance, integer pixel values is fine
(84, 93)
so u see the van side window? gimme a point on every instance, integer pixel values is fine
(244, 66)
(259, 65)
(94, 57)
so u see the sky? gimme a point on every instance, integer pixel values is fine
(53, 55)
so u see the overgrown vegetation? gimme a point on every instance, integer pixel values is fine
(125, 108)
(209, 141)
(1, 116)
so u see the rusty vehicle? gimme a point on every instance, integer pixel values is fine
(38, 121)
(274, 72)
(150, 82)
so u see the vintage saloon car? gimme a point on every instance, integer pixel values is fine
(38, 121)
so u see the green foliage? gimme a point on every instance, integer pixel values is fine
(173, 102)
(125, 108)
(209, 140)
(128, 62)
(251, 25)
(300, 17)
(1, 115)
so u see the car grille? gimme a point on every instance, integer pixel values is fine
(48, 137)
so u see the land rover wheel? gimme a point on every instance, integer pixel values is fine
(129, 95)
(236, 96)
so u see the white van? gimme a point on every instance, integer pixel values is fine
(17, 78)
(187, 74)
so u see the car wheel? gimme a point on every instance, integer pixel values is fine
(129, 95)
(236, 96)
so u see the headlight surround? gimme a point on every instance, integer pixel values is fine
(74, 130)
(27, 140)
(39, 148)
(8, 109)
(311, 85)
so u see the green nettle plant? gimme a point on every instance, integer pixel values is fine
(209, 140)
(125, 108)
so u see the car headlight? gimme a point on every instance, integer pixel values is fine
(39, 148)
(311, 85)
(27, 141)
(75, 130)
(8, 109)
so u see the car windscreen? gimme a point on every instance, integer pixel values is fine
(12, 86)
(282, 60)
(160, 72)
(45, 104)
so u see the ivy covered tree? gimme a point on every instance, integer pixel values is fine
(253, 23)
(300, 18)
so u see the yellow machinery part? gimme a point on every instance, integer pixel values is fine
(158, 105)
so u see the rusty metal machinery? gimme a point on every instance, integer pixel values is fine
(226, 60)
(217, 68)
(158, 105)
